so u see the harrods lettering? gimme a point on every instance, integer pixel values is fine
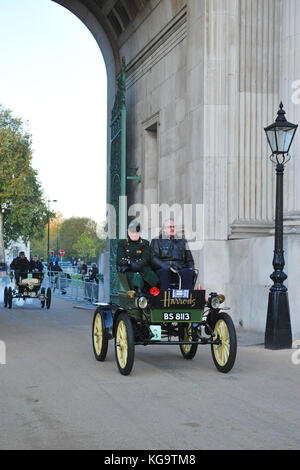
(168, 301)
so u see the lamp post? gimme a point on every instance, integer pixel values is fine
(278, 334)
(48, 244)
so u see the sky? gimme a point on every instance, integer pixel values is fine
(53, 76)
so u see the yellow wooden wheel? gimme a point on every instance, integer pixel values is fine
(124, 344)
(186, 334)
(98, 334)
(100, 342)
(224, 353)
(222, 350)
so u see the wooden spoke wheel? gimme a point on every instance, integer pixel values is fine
(186, 334)
(124, 344)
(224, 354)
(48, 298)
(43, 293)
(5, 296)
(9, 298)
(100, 342)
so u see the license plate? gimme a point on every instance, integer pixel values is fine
(162, 316)
(179, 316)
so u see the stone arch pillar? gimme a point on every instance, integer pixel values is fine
(111, 58)
(106, 45)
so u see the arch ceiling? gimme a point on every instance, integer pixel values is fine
(107, 21)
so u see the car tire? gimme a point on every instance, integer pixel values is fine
(100, 342)
(186, 334)
(43, 292)
(48, 298)
(5, 297)
(224, 355)
(124, 344)
(9, 298)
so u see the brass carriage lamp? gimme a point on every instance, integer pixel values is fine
(280, 135)
(278, 334)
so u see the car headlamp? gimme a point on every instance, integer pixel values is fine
(142, 302)
(215, 302)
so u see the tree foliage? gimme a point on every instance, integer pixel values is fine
(21, 197)
(80, 237)
(39, 246)
(71, 230)
(89, 245)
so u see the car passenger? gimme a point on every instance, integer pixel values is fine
(171, 256)
(35, 265)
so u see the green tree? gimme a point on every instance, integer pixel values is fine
(86, 247)
(23, 212)
(39, 245)
(81, 228)
(70, 231)
(89, 245)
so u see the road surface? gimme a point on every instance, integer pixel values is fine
(54, 395)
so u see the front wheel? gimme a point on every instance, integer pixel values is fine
(9, 298)
(224, 354)
(48, 298)
(124, 344)
(100, 342)
(5, 296)
(43, 295)
(186, 334)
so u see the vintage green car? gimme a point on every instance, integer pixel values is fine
(164, 317)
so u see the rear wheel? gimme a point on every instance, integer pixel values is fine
(224, 354)
(9, 298)
(43, 293)
(5, 296)
(100, 342)
(186, 334)
(124, 344)
(48, 298)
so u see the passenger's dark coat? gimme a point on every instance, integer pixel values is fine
(167, 252)
(36, 266)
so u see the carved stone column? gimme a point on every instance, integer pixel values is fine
(290, 95)
(220, 115)
(259, 35)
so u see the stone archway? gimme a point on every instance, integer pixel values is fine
(108, 49)
(111, 58)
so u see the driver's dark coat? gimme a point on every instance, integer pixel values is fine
(138, 251)
(166, 252)
(21, 265)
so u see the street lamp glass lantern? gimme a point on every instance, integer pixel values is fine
(281, 134)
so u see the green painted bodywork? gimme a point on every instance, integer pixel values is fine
(118, 174)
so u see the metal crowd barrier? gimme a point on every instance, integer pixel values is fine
(75, 287)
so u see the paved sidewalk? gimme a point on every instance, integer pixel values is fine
(249, 338)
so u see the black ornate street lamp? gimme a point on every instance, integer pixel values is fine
(278, 333)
